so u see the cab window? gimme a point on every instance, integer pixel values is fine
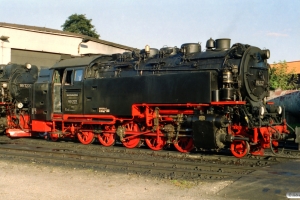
(78, 75)
(69, 77)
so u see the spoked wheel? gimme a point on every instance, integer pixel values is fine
(86, 137)
(106, 139)
(276, 148)
(184, 144)
(132, 142)
(154, 143)
(239, 148)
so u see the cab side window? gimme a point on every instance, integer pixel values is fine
(69, 77)
(78, 75)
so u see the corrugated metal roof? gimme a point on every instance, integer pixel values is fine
(59, 32)
(293, 66)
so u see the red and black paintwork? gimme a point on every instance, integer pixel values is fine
(186, 98)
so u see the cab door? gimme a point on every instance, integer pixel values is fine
(72, 91)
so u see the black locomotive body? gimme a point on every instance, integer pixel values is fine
(183, 97)
(16, 82)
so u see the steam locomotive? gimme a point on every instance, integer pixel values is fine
(183, 97)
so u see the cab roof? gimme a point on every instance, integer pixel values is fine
(80, 61)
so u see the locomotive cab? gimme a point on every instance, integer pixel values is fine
(72, 90)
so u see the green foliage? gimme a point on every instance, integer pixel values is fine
(281, 78)
(81, 25)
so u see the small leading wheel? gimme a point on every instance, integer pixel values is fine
(53, 137)
(276, 148)
(86, 137)
(154, 143)
(257, 150)
(132, 142)
(239, 148)
(184, 144)
(106, 139)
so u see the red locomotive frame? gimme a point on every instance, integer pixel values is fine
(147, 124)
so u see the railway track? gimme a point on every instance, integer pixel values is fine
(209, 156)
(163, 164)
(224, 157)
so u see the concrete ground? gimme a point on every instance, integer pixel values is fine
(35, 181)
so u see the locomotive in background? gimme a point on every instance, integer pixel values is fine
(16, 83)
(183, 97)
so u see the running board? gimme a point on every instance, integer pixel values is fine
(17, 133)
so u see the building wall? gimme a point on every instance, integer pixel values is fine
(5, 52)
(23, 43)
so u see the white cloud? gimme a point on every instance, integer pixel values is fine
(273, 34)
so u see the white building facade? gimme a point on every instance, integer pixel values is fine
(44, 47)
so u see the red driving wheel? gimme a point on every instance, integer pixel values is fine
(131, 142)
(184, 144)
(239, 148)
(154, 143)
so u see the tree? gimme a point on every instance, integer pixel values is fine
(281, 78)
(81, 25)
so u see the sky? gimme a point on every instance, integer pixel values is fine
(267, 24)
